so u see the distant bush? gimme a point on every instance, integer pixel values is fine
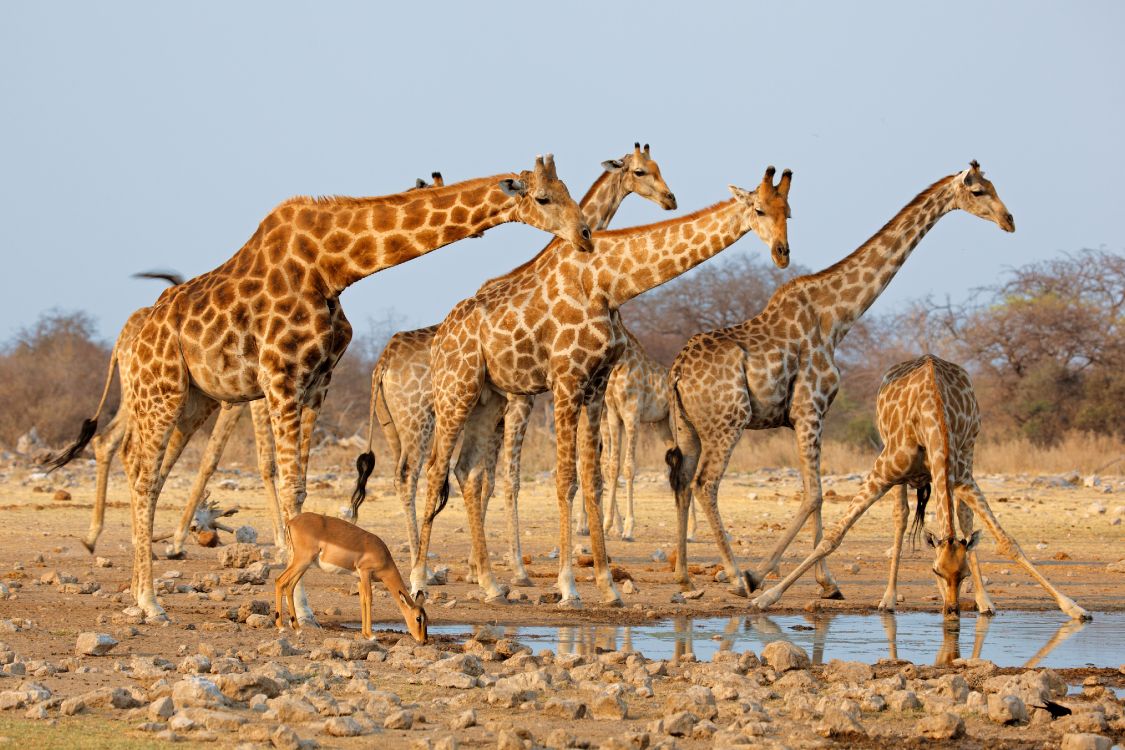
(51, 375)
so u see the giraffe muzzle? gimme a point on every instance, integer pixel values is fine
(670, 202)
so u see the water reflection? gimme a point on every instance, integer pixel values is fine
(917, 637)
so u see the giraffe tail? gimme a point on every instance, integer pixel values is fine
(365, 463)
(674, 457)
(443, 498)
(919, 514)
(89, 426)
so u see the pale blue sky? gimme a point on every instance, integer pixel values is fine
(143, 135)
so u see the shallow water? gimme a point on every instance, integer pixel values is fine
(1012, 639)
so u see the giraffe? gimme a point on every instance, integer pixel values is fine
(401, 394)
(264, 324)
(107, 444)
(554, 325)
(778, 369)
(636, 392)
(929, 421)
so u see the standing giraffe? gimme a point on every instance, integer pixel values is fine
(778, 369)
(929, 421)
(402, 396)
(109, 442)
(636, 393)
(265, 323)
(554, 325)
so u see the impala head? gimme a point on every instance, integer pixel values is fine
(951, 567)
(976, 194)
(544, 202)
(768, 207)
(415, 615)
(641, 175)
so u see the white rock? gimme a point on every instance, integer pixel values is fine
(94, 644)
(783, 656)
(941, 726)
(1085, 741)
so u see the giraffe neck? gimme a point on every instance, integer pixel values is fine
(348, 239)
(602, 200)
(598, 206)
(632, 261)
(846, 290)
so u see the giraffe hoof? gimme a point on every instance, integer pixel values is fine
(308, 622)
(582, 532)
(614, 601)
(834, 594)
(738, 590)
(89, 546)
(572, 603)
(173, 554)
(626, 537)
(987, 612)
(523, 580)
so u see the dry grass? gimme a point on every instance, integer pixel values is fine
(771, 449)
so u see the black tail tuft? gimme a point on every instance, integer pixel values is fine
(675, 460)
(85, 435)
(364, 465)
(173, 278)
(443, 498)
(919, 514)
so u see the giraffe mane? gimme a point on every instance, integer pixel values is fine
(344, 200)
(645, 228)
(918, 200)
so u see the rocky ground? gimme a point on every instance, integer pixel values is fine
(77, 666)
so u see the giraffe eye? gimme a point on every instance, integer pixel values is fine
(978, 193)
(542, 200)
(639, 172)
(760, 212)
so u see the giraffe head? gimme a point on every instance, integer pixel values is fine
(543, 201)
(975, 193)
(767, 209)
(640, 174)
(951, 567)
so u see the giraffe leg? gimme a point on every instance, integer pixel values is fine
(985, 607)
(146, 447)
(901, 512)
(286, 422)
(567, 403)
(715, 453)
(970, 494)
(611, 466)
(216, 443)
(682, 479)
(453, 402)
(267, 467)
(478, 447)
(808, 425)
(589, 459)
(629, 459)
(515, 429)
(105, 448)
(873, 488)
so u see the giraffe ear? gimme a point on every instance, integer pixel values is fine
(739, 193)
(513, 188)
(968, 178)
(972, 542)
(931, 540)
(419, 183)
(613, 165)
(420, 599)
